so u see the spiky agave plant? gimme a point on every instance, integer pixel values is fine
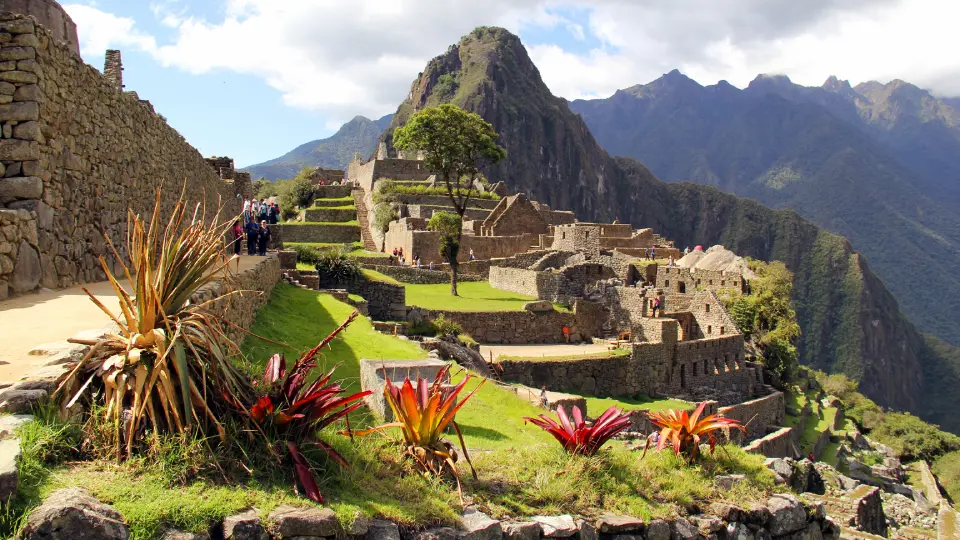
(580, 437)
(168, 368)
(423, 413)
(684, 431)
(290, 411)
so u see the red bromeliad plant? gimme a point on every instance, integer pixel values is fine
(685, 431)
(292, 411)
(579, 437)
(422, 413)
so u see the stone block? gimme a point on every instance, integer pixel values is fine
(10, 422)
(18, 26)
(177, 534)
(16, 150)
(245, 526)
(615, 524)
(374, 373)
(379, 529)
(526, 530)
(19, 111)
(475, 525)
(22, 77)
(73, 513)
(557, 526)
(9, 473)
(27, 270)
(16, 401)
(291, 522)
(28, 131)
(681, 529)
(539, 306)
(786, 515)
(21, 187)
(658, 529)
(18, 53)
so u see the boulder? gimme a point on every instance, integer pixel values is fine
(739, 531)
(870, 515)
(758, 515)
(10, 422)
(811, 532)
(379, 529)
(727, 512)
(358, 527)
(557, 526)
(726, 482)
(781, 468)
(245, 526)
(16, 400)
(9, 472)
(176, 534)
(476, 525)
(538, 306)
(708, 524)
(681, 529)
(27, 270)
(72, 513)
(525, 530)
(615, 524)
(292, 521)
(435, 533)
(586, 531)
(786, 515)
(658, 529)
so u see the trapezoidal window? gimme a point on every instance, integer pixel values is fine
(666, 283)
(681, 287)
(709, 329)
(563, 235)
(721, 330)
(707, 308)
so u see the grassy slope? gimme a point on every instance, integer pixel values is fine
(474, 296)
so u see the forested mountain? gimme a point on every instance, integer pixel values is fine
(851, 323)
(878, 164)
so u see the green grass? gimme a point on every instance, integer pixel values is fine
(596, 405)
(474, 296)
(356, 248)
(947, 469)
(573, 357)
(301, 318)
(352, 222)
(347, 198)
(356, 297)
(377, 276)
(343, 207)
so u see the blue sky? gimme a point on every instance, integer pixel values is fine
(252, 79)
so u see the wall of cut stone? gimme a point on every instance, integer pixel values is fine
(758, 414)
(76, 155)
(400, 169)
(776, 444)
(385, 301)
(51, 16)
(241, 309)
(525, 327)
(675, 278)
(316, 233)
(427, 244)
(421, 276)
(332, 192)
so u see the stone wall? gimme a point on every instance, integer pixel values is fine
(561, 286)
(577, 237)
(525, 327)
(317, 233)
(676, 279)
(408, 274)
(385, 301)
(427, 244)
(76, 155)
(426, 211)
(332, 192)
(51, 16)
(241, 309)
(776, 444)
(758, 414)
(514, 215)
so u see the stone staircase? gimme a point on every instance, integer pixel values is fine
(310, 281)
(363, 218)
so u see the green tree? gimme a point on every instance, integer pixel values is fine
(456, 144)
(766, 316)
(450, 226)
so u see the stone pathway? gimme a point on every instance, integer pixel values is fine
(29, 321)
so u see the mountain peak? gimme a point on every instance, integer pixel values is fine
(770, 80)
(833, 84)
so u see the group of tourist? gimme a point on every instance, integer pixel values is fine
(651, 253)
(257, 218)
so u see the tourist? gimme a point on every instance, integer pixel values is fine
(237, 236)
(418, 262)
(646, 253)
(246, 211)
(264, 237)
(431, 265)
(656, 306)
(254, 209)
(253, 232)
(403, 262)
(395, 255)
(273, 214)
(566, 333)
(655, 439)
(472, 256)
(653, 253)
(686, 250)
(263, 210)
(670, 263)
(544, 402)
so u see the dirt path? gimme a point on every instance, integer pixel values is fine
(34, 319)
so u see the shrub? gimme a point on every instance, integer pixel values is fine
(334, 266)
(168, 370)
(579, 437)
(912, 438)
(444, 328)
(422, 414)
(290, 412)
(383, 214)
(307, 254)
(685, 432)
(389, 191)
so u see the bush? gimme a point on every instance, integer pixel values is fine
(444, 328)
(335, 267)
(307, 254)
(912, 438)
(387, 190)
(383, 214)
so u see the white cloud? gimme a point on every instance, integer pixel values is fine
(359, 57)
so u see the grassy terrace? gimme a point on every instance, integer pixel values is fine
(571, 357)
(522, 470)
(352, 222)
(596, 405)
(474, 296)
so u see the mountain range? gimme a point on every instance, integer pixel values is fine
(876, 163)
(335, 152)
(851, 322)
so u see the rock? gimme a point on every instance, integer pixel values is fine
(434, 533)
(538, 306)
(708, 524)
(758, 515)
(812, 532)
(19, 111)
(292, 521)
(586, 531)
(870, 516)
(245, 526)
(780, 467)
(726, 482)
(10, 422)
(72, 513)
(21, 187)
(18, 401)
(28, 92)
(379, 529)
(175, 534)
(359, 526)
(525, 530)
(16, 150)
(830, 530)
(28, 131)
(612, 524)
(9, 473)
(817, 511)
(728, 512)
(476, 525)
(739, 531)
(658, 529)
(786, 515)
(681, 529)
(27, 271)
(556, 526)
